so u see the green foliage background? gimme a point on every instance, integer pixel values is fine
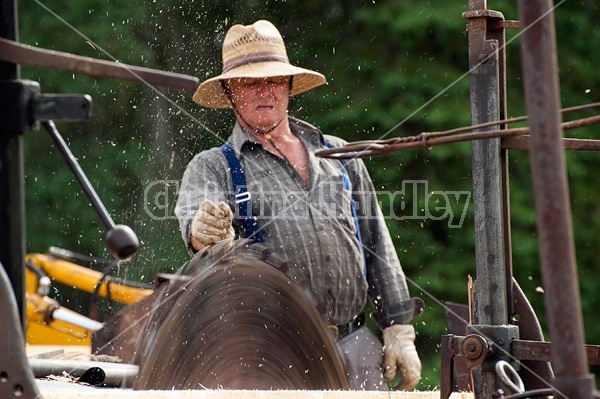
(394, 68)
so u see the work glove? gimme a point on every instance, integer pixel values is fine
(400, 354)
(212, 223)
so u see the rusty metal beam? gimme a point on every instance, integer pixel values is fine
(542, 352)
(17, 53)
(524, 143)
(474, 348)
(553, 209)
(428, 140)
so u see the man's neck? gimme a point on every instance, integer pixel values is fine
(281, 133)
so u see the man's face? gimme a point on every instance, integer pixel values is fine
(262, 102)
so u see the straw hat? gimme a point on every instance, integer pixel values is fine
(254, 51)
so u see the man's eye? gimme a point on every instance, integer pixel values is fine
(277, 81)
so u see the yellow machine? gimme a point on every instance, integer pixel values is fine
(49, 323)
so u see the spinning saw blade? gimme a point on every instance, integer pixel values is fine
(239, 323)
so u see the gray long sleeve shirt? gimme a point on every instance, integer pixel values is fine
(313, 228)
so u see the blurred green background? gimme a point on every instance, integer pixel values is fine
(394, 68)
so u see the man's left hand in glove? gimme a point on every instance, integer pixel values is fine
(400, 354)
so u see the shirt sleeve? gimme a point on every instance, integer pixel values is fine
(388, 289)
(204, 178)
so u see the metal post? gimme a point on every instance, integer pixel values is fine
(555, 230)
(486, 165)
(12, 188)
(490, 296)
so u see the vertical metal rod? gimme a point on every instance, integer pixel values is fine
(555, 230)
(12, 186)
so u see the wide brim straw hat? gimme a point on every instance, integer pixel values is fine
(254, 51)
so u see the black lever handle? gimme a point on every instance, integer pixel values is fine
(121, 241)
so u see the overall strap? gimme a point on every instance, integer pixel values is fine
(348, 186)
(242, 195)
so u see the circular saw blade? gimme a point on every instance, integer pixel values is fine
(240, 323)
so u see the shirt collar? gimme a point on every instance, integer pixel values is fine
(309, 134)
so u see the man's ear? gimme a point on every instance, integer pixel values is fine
(227, 90)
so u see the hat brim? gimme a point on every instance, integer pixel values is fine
(210, 93)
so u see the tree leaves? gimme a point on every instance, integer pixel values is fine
(393, 69)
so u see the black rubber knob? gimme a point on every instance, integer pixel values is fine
(121, 241)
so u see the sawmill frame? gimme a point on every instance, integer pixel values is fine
(560, 369)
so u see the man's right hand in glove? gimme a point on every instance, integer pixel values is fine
(211, 224)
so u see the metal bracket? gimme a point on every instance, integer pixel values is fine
(62, 107)
(16, 105)
(499, 340)
(479, 351)
(22, 106)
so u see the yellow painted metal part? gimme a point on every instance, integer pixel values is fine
(31, 281)
(60, 333)
(85, 279)
(40, 308)
(41, 328)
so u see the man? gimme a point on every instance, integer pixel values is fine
(299, 205)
